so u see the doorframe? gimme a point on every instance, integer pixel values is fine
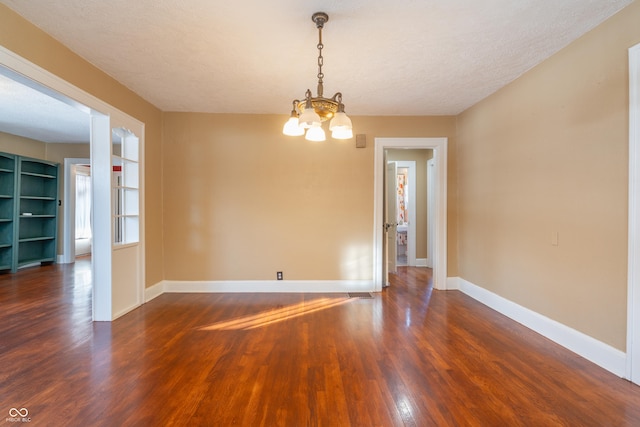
(439, 147)
(633, 273)
(69, 210)
(99, 113)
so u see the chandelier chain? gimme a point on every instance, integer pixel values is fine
(320, 62)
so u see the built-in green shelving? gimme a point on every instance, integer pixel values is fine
(7, 209)
(28, 211)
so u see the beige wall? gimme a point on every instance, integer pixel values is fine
(548, 154)
(421, 157)
(58, 152)
(31, 43)
(22, 146)
(243, 201)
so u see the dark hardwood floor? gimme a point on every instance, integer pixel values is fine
(409, 356)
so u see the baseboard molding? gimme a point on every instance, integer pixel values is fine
(603, 355)
(124, 311)
(153, 291)
(281, 286)
(422, 262)
(453, 283)
(246, 286)
(61, 259)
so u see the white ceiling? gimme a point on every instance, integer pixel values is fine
(30, 113)
(411, 57)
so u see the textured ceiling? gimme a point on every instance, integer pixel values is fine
(411, 57)
(30, 113)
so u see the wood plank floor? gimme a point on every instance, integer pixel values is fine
(409, 356)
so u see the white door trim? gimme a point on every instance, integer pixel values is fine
(69, 210)
(101, 256)
(431, 188)
(633, 275)
(439, 147)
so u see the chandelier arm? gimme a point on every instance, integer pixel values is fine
(295, 103)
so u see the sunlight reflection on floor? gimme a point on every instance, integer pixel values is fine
(273, 316)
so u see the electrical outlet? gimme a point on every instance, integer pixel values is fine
(279, 275)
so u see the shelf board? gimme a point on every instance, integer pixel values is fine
(5, 245)
(35, 216)
(6, 196)
(35, 239)
(5, 220)
(39, 175)
(37, 198)
(6, 170)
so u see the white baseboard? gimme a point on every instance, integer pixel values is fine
(284, 286)
(153, 291)
(453, 283)
(422, 262)
(603, 355)
(124, 311)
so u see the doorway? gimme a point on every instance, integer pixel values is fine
(82, 195)
(439, 149)
(411, 199)
(123, 264)
(76, 242)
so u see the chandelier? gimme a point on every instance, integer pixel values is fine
(307, 115)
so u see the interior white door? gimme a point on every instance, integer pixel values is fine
(390, 219)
